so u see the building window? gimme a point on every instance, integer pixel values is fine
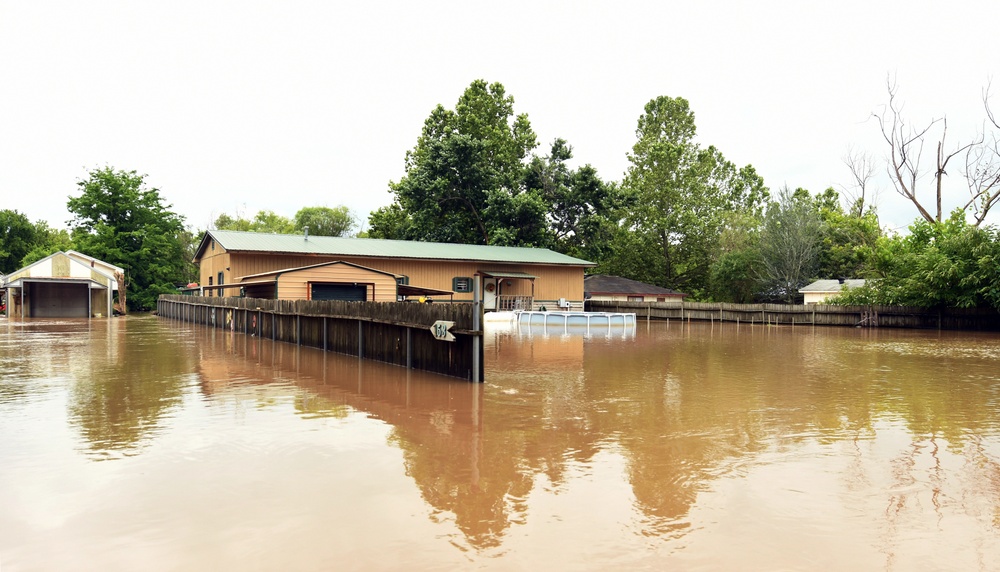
(635, 298)
(461, 284)
(209, 283)
(213, 244)
(402, 280)
(661, 299)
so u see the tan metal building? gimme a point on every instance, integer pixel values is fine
(513, 277)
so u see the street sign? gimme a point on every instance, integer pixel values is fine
(440, 330)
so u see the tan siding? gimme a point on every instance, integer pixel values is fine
(296, 285)
(552, 282)
(213, 262)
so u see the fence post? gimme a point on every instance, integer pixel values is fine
(361, 340)
(409, 348)
(477, 311)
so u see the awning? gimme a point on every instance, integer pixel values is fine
(408, 290)
(507, 274)
(20, 282)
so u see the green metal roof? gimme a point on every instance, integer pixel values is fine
(237, 241)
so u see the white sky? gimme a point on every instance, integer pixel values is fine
(241, 106)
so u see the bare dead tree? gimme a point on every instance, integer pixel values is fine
(906, 149)
(982, 167)
(860, 193)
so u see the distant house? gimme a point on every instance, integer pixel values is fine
(616, 288)
(819, 291)
(297, 266)
(62, 285)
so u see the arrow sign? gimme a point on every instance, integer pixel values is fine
(440, 330)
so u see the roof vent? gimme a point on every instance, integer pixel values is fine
(305, 229)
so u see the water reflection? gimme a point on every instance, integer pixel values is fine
(122, 375)
(692, 446)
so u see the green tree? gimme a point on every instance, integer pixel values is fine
(263, 221)
(733, 275)
(583, 210)
(48, 241)
(938, 264)
(680, 192)
(790, 244)
(227, 222)
(463, 178)
(118, 219)
(325, 221)
(17, 238)
(848, 239)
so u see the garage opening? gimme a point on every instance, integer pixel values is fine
(59, 300)
(345, 292)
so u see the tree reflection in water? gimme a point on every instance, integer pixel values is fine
(124, 383)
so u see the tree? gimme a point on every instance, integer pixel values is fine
(680, 192)
(463, 178)
(789, 244)
(325, 221)
(861, 196)
(582, 210)
(906, 151)
(121, 221)
(733, 275)
(937, 264)
(17, 238)
(263, 221)
(848, 239)
(47, 241)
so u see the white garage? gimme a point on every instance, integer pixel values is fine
(61, 286)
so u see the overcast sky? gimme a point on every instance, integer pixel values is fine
(241, 106)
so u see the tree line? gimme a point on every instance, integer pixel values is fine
(119, 219)
(682, 216)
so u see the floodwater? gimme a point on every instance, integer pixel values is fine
(141, 443)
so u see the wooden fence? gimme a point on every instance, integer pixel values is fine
(393, 332)
(812, 314)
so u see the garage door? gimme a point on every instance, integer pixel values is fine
(59, 300)
(348, 292)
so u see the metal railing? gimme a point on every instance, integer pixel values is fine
(511, 303)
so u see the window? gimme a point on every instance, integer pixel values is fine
(402, 280)
(635, 298)
(461, 284)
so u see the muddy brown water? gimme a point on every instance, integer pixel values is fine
(145, 444)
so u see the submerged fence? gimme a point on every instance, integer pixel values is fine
(812, 314)
(392, 332)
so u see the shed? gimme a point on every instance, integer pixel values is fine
(62, 286)
(618, 289)
(821, 290)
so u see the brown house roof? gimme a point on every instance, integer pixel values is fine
(597, 284)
